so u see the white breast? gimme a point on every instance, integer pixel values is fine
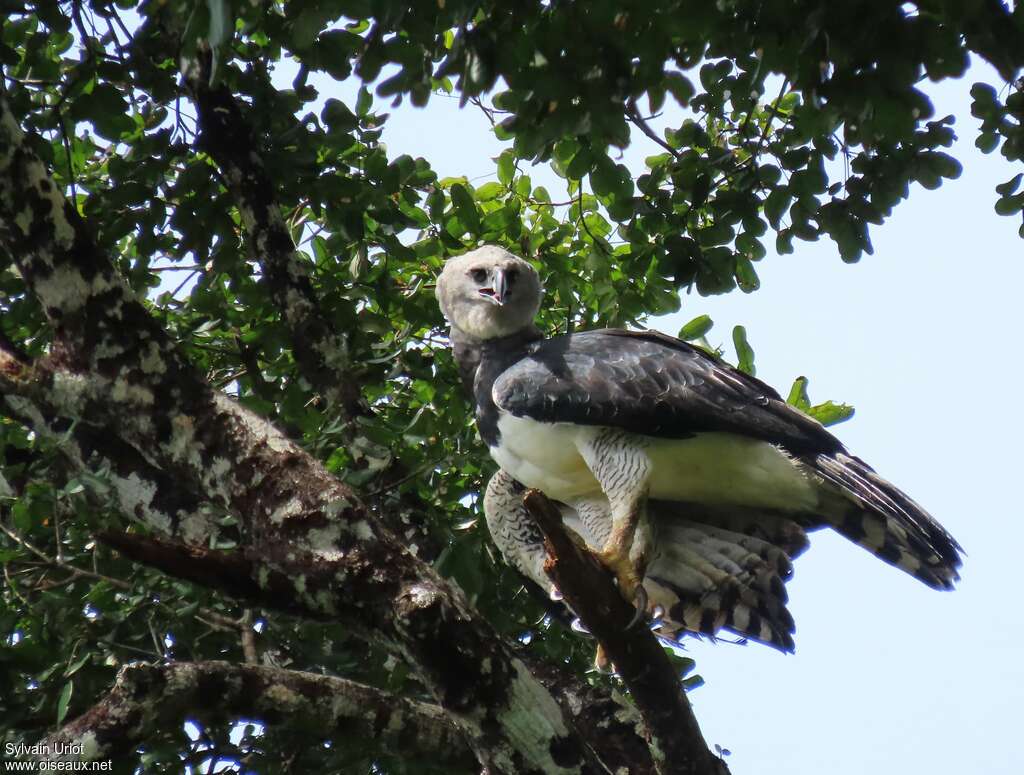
(545, 456)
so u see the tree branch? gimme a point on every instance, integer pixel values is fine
(633, 114)
(148, 699)
(320, 351)
(142, 491)
(587, 586)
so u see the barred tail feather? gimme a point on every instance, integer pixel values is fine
(877, 515)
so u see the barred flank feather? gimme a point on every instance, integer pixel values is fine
(708, 578)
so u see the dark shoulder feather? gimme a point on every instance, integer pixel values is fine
(652, 384)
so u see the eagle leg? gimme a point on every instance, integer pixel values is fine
(627, 567)
(622, 468)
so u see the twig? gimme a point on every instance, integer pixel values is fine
(159, 645)
(394, 485)
(12, 349)
(57, 563)
(175, 268)
(583, 222)
(638, 121)
(774, 112)
(183, 283)
(13, 587)
(248, 638)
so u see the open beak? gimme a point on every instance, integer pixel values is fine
(499, 292)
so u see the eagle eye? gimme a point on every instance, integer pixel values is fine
(511, 275)
(479, 275)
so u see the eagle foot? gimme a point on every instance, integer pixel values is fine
(629, 582)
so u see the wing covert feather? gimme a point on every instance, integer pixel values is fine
(652, 384)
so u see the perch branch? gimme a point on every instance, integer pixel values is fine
(589, 590)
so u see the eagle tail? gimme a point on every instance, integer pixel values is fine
(707, 578)
(877, 515)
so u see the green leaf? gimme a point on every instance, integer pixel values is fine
(696, 328)
(364, 100)
(798, 395)
(108, 110)
(715, 234)
(746, 275)
(744, 351)
(63, 702)
(1010, 186)
(489, 191)
(506, 167)
(1008, 205)
(465, 207)
(604, 178)
(750, 246)
(784, 242)
(333, 53)
(776, 205)
(984, 94)
(987, 142)
(693, 682)
(580, 164)
(77, 664)
(22, 515)
(338, 116)
(680, 87)
(830, 413)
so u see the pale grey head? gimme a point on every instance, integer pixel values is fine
(488, 293)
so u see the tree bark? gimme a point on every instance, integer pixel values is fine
(147, 699)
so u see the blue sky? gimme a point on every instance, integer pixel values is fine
(922, 337)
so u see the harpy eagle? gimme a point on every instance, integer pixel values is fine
(630, 430)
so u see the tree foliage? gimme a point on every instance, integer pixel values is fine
(271, 248)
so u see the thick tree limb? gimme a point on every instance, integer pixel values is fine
(148, 699)
(141, 491)
(606, 720)
(588, 589)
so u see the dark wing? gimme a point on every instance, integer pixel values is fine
(652, 384)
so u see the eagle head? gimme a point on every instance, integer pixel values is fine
(489, 293)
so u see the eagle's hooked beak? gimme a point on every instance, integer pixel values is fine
(498, 293)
